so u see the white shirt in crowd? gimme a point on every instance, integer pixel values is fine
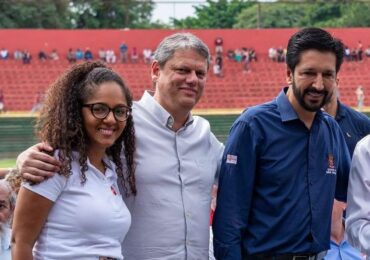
(86, 221)
(174, 176)
(358, 200)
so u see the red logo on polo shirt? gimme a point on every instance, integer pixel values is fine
(331, 166)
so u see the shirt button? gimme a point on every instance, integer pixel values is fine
(188, 214)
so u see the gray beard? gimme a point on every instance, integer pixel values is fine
(5, 236)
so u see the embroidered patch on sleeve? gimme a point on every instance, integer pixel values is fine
(231, 159)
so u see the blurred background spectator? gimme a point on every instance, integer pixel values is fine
(102, 54)
(42, 56)
(88, 54)
(218, 45)
(123, 48)
(26, 57)
(79, 54)
(54, 55)
(110, 56)
(360, 95)
(4, 54)
(71, 56)
(2, 103)
(134, 55)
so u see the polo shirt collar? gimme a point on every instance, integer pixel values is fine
(341, 112)
(284, 107)
(165, 118)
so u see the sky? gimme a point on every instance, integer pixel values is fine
(164, 9)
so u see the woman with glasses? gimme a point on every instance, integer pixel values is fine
(79, 212)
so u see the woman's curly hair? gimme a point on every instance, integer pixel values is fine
(61, 123)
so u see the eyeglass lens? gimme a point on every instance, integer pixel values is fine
(101, 111)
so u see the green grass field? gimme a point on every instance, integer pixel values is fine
(7, 163)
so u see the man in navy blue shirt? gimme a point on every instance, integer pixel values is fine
(354, 126)
(284, 163)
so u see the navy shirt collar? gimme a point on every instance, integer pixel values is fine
(286, 109)
(341, 112)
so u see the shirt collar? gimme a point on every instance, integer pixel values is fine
(284, 107)
(159, 112)
(341, 112)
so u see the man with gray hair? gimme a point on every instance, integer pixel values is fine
(7, 203)
(177, 158)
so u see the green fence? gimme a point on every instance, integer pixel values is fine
(17, 133)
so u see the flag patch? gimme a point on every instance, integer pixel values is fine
(231, 159)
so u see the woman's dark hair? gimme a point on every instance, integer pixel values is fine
(61, 123)
(313, 39)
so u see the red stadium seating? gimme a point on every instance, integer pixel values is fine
(236, 89)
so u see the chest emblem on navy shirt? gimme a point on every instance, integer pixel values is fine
(231, 159)
(331, 166)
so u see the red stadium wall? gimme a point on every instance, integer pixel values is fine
(62, 40)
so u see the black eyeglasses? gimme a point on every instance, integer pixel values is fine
(101, 111)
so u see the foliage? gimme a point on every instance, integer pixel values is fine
(214, 14)
(34, 14)
(111, 14)
(96, 14)
(305, 13)
(71, 14)
(279, 14)
(270, 16)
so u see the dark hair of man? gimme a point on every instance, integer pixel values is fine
(61, 122)
(313, 39)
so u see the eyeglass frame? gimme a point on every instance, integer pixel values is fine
(128, 113)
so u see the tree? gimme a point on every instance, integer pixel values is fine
(34, 14)
(280, 15)
(112, 14)
(287, 14)
(214, 14)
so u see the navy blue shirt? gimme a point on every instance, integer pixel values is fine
(354, 125)
(277, 183)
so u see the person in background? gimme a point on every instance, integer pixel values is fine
(14, 179)
(284, 163)
(354, 126)
(2, 101)
(7, 204)
(71, 56)
(358, 203)
(42, 56)
(102, 54)
(134, 55)
(79, 213)
(54, 55)
(88, 54)
(360, 98)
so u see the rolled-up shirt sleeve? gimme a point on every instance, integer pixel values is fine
(235, 191)
(358, 209)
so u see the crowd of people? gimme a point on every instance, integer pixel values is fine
(118, 179)
(107, 55)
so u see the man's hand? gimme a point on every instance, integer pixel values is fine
(337, 225)
(35, 164)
